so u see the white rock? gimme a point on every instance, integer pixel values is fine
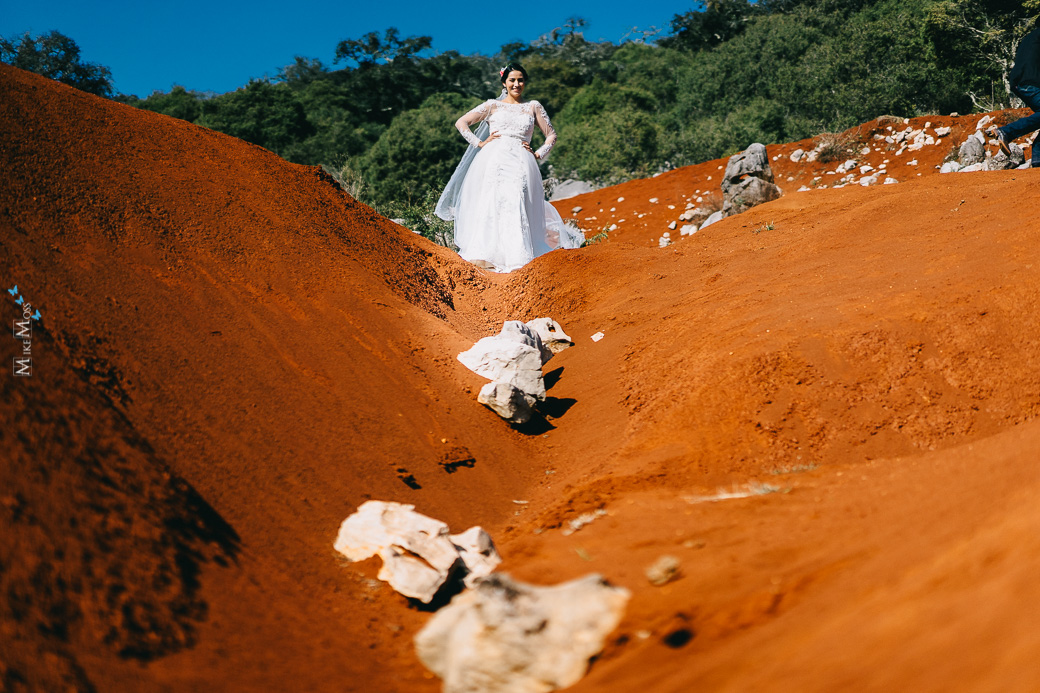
(983, 123)
(576, 210)
(613, 227)
(508, 401)
(797, 155)
(671, 225)
(397, 534)
(865, 151)
(621, 199)
(974, 167)
(570, 188)
(804, 188)
(890, 181)
(478, 554)
(717, 216)
(653, 200)
(912, 162)
(551, 333)
(596, 337)
(505, 636)
(950, 167)
(866, 168)
(688, 229)
(515, 356)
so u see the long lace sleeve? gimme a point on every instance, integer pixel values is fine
(542, 118)
(467, 121)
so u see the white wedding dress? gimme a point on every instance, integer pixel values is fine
(501, 215)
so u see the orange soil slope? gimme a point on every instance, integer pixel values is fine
(269, 339)
(228, 337)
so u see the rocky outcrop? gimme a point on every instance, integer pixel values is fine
(512, 360)
(971, 151)
(551, 333)
(419, 554)
(505, 636)
(748, 181)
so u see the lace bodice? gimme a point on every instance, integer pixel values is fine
(510, 120)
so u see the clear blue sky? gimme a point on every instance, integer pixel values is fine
(218, 46)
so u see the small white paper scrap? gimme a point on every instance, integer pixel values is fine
(598, 336)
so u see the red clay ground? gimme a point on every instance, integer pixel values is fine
(234, 355)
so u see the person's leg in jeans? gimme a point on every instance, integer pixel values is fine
(1023, 126)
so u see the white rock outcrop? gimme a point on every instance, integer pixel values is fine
(508, 401)
(513, 356)
(419, 554)
(748, 180)
(512, 360)
(551, 333)
(505, 636)
(717, 216)
(478, 554)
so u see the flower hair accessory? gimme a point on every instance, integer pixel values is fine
(502, 71)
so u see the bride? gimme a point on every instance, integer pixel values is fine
(502, 220)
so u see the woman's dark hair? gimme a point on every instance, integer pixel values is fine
(513, 67)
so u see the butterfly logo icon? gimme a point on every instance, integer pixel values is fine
(37, 316)
(14, 291)
(19, 301)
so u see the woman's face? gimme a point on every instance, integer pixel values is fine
(514, 84)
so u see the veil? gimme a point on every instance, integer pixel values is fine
(449, 201)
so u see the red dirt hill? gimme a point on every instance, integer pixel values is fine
(234, 354)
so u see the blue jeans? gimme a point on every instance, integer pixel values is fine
(1024, 126)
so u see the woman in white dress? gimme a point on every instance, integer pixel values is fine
(502, 220)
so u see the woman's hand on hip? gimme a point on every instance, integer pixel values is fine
(527, 146)
(492, 136)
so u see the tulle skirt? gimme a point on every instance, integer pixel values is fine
(502, 216)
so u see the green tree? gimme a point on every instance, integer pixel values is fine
(418, 151)
(178, 103)
(987, 32)
(715, 22)
(265, 114)
(610, 145)
(370, 49)
(56, 56)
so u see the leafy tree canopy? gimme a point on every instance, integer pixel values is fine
(56, 56)
(370, 49)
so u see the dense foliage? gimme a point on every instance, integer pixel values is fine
(56, 56)
(727, 73)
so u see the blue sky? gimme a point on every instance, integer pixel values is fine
(218, 46)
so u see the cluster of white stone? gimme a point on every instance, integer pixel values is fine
(512, 360)
(973, 156)
(499, 635)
